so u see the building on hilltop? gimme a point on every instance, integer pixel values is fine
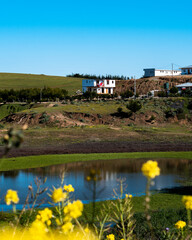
(152, 72)
(103, 86)
(186, 70)
(184, 86)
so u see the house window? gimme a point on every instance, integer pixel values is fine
(102, 90)
(112, 81)
(86, 81)
(107, 82)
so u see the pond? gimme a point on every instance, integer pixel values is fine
(174, 173)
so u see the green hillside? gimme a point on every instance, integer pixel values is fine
(18, 81)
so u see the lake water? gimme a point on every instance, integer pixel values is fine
(174, 173)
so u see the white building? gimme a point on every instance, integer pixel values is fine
(184, 86)
(186, 70)
(104, 86)
(152, 72)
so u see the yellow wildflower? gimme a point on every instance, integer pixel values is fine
(150, 169)
(58, 195)
(128, 196)
(11, 196)
(180, 224)
(45, 216)
(38, 229)
(187, 200)
(88, 178)
(87, 230)
(69, 188)
(110, 237)
(68, 226)
(73, 210)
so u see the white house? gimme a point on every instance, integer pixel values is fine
(186, 70)
(103, 86)
(152, 72)
(184, 86)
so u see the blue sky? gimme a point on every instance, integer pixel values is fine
(96, 37)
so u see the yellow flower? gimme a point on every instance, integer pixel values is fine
(73, 210)
(45, 216)
(58, 195)
(87, 230)
(38, 229)
(88, 178)
(68, 226)
(11, 196)
(110, 237)
(128, 196)
(187, 200)
(69, 188)
(150, 169)
(180, 224)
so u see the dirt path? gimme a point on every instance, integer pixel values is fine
(101, 147)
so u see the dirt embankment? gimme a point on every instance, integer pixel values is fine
(144, 85)
(68, 119)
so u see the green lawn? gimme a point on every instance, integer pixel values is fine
(48, 160)
(105, 108)
(19, 81)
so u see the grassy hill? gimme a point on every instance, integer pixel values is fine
(18, 81)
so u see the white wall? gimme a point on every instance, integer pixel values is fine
(159, 73)
(99, 85)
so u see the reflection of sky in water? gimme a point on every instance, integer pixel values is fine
(135, 183)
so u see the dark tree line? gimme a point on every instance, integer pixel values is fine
(89, 76)
(33, 94)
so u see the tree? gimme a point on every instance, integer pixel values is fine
(174, 90)
(134, 106)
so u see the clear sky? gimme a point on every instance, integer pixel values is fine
(121, 37)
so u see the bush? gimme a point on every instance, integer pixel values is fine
(119, 109)
(127, 94)
(162, 94)
(134, 106)
(189, 106)
(174, 90)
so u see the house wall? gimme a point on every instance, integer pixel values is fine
(152, 72)
(186, 71)
(88, 83)
(160, 73)
(98, 85)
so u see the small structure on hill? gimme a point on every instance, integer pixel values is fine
(103, 86)
(152, 72)
(186, 70)
(184, 86)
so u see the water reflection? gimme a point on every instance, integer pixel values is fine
(173, 171)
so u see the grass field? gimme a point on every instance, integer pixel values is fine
(19, 81)
(7, 164)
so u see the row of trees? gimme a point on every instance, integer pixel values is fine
(33, 94)
(107, 76)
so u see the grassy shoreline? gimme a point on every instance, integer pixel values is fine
(7, 164)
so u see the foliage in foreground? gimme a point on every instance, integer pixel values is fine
(115, 221)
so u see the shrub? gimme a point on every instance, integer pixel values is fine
(126, 94)
(174, 90)
(134, 106)
(119, 109)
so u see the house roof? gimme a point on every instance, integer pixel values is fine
(161, 69)
(185, 85)
(190, 66)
